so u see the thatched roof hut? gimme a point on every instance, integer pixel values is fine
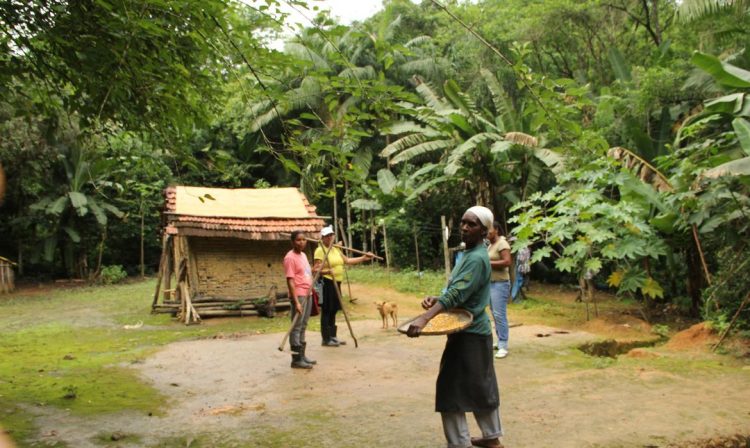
(225, 247)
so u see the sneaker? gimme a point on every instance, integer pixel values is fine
(501, 353)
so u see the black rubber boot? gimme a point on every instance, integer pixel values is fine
(297, 361)
(334, 331)
(305, 358)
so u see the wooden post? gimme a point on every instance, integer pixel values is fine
(143, 250)
(162, 271)
(446, 258)
(364, 232)
(372, 235)
(346, 273)
(385, 245)
(169, 268)
(416, 247)
(348, 214)
(20, 259)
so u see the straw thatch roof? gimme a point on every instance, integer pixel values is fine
(249, 213)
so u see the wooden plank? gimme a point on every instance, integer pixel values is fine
(192, 268)
(169, 267)
(162, 270)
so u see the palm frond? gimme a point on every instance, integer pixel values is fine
(522, 138)
(390, 29)
(402, 143)
(457, 155)
(689, 10)
(644, 170)
(425, 90)
(366, 72)
(266, 118)
(306, 53)
(344, 107)
(426, 186)
(419, 40)
(553, 160)
(429, 67)
(503, 105)
(421, 149)
(460, 99)
(404, 127)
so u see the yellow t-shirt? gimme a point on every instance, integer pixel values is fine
(335, 261)
(494, 252)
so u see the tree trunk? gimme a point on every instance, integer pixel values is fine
(335, 207)
(364, 231)
(695, 280)
(3, 184)
(143, 261)
(655, 16)
(348, 214)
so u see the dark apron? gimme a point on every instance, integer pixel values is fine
(467, 382)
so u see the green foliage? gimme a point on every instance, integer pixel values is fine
(587, 229)
(112, 274)
(730, 287)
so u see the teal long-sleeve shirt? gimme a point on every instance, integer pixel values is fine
(469, 288)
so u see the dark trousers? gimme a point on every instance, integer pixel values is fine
(329, 308)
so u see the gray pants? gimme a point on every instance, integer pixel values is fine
(297, 336)
(456, 428)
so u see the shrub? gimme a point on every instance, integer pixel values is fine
(112, 274)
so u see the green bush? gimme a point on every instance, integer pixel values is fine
(112, 274)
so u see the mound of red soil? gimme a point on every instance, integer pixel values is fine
(697, 337)
(736, 441)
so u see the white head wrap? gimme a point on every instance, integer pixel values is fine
(325, 231)
(484, 214)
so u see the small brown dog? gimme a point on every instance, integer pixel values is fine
(388, 309)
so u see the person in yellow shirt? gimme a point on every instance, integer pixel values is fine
(332, 270)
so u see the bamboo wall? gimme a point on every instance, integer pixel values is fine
(237, 268)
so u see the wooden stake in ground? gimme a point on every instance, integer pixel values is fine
(162, 270)
(444, 237)
(343, 309)
(346, 272)
(731, 324)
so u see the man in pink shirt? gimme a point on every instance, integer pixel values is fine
(299, 281)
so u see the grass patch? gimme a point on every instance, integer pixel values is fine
(66, 348)
(423, 283)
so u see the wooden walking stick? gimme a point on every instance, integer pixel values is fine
(346, 273)
(343, 310)
(356, 251)
(309, 295)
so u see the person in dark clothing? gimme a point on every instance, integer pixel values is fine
(467, 381)
(331, 271)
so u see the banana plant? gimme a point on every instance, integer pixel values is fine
(468, 144)
(75, 201)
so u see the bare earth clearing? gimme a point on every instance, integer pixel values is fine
(240, 391)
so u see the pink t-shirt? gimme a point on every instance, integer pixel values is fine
(297, 268)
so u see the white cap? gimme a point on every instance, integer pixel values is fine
(325, 231)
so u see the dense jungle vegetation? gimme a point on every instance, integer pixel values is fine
(612, 136)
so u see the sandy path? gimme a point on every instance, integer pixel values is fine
(241, 392)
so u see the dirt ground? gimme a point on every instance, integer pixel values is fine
(239, 391)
